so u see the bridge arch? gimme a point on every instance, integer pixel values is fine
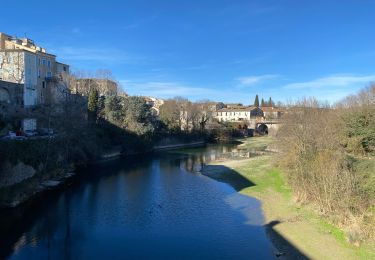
(4, 95)
(262, 129)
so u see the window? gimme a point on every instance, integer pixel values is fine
(38, 73)
(44, 62)
(39, 62)
(49, 64)
(49, 74)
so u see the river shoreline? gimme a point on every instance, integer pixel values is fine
(158, 189)
(296, 231)
(29, 193)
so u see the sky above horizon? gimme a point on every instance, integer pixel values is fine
(222, 50)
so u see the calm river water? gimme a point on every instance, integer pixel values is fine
(146, 207)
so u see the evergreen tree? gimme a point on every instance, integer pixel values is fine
(270, 102)
(138, 118)
(101, 106)
(113, 110)
(262, 104)
(93, 105)
(256, 102)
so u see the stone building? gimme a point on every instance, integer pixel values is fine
(11, 93)
(155, 104)
(272, 113)
(11, 99)
(238, 114)
(23, 62)
(105, 87)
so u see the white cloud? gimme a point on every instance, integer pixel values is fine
(87, 54)
(333, 81)
(168, 89)
(165, 89)
(252, 80)
(98, 55)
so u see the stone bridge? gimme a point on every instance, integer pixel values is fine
(265, 127)
(261, 126)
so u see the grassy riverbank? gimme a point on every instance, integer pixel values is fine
(298, 227)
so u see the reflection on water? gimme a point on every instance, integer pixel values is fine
(157, 207)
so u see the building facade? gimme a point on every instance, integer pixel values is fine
(271, 113)
(11, 93)
(238, 114)
(23, 62)
(155, 104)
(105, 87)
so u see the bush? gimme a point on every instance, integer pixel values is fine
(319, 147)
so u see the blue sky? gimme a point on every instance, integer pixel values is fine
(223, 50)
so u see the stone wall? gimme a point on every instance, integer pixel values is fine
(14, 174)
(12, 66)
(11, 93)
(11, 98)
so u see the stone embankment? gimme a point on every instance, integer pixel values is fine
(21, 182)
(178, 146)
(26, 192)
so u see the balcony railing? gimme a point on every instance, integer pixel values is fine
(53, 79)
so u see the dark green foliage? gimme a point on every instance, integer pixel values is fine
(270, 103)
(113, 110)
(359, 131)
(2, 124)
(262, 104)
(45, 155)
(136, 109)
(137, 117)
(92, 105)
(256, 101)
(366, 170)
(101, 106)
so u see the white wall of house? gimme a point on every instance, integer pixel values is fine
(62, 68)
(233, 115)
(29, 124)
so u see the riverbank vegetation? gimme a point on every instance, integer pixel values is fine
(300, 226)
(319, 185)
(91, 120)
(327, 154)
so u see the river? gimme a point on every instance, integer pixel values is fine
(144, 207)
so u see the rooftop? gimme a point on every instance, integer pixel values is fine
(13, 43)
(237, 109)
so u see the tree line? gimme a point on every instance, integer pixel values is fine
(263, 103)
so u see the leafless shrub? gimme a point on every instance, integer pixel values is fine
(319, 168)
